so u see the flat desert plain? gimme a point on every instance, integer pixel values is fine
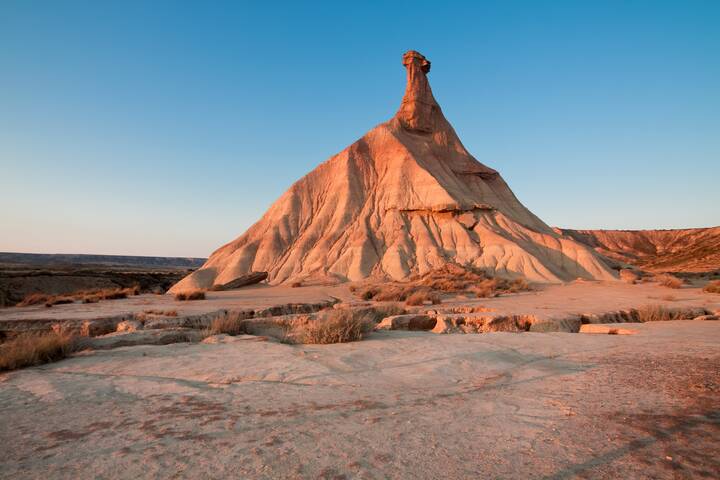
(398, 404)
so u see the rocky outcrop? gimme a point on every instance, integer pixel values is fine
(243, 281)
(405, 199)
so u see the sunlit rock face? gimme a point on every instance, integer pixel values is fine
(406, 198)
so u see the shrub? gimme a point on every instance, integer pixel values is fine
(670, 281)
(112, 294)
(228, 323)
(58, 300)
(420, 297)
(487, 288)
(335, 326)
(165, 313)
(655, 313)
(86, 296)
(190, 295)
(518, 285)
(29, 349)
(33, 299)
(712, 287)
(628, 276)
(296, 284)
(450, 278)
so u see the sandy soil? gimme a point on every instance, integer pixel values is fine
(547, 302)
(397, 405)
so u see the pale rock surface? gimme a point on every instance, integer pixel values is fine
(406, 322)
(404, 199)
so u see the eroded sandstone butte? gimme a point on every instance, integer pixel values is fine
(405, 198)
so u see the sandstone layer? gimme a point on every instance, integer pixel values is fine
(404, 199)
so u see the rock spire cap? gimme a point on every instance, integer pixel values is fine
(418, 110)
(411, 56)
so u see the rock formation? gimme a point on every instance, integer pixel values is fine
(693, 250)
(406, 198)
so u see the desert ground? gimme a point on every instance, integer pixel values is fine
(411, 404)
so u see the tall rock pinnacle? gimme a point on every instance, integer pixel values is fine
(418, 107)
(404, 199)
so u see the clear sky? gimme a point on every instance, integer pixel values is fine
(168, 128)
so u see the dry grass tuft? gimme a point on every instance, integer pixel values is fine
(420, 297)
(712, 287)
(86, 296)
(33, 299)
(164, 313)
(229, 324)
(190, 295)
(30, 349)
(655, 313)
(333, 326)
(667, 280)
(628, 276)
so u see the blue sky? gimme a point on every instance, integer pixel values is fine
(168, 128)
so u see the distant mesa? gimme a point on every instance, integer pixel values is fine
(406, 198)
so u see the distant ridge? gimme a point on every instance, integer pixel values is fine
(75, 259)
(675, 250)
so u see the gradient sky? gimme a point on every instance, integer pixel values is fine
(168, 128)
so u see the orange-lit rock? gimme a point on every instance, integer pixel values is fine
(405, 198)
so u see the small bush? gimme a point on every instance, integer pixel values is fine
(30, 349)
(190, 295)
(518, 285)
(229, 324)
(628, 276)
(335, 326)
(655, 313)
(33, 299)
(112, 294)
(89, 296)
(450, 278)
(670, 281)
(164, 313)
(296, 284)
(487, 288)
(419, 298)
(58, 300)
(712, 287)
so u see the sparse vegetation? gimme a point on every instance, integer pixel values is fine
(448, 279)
(670, 281)
(629, 276)
(712, 287)
(333, 326)
(30, 349)
(86, 296)
(190, 295)
(420, 297)
(656, 313)
(164, 313)
(228, 323)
